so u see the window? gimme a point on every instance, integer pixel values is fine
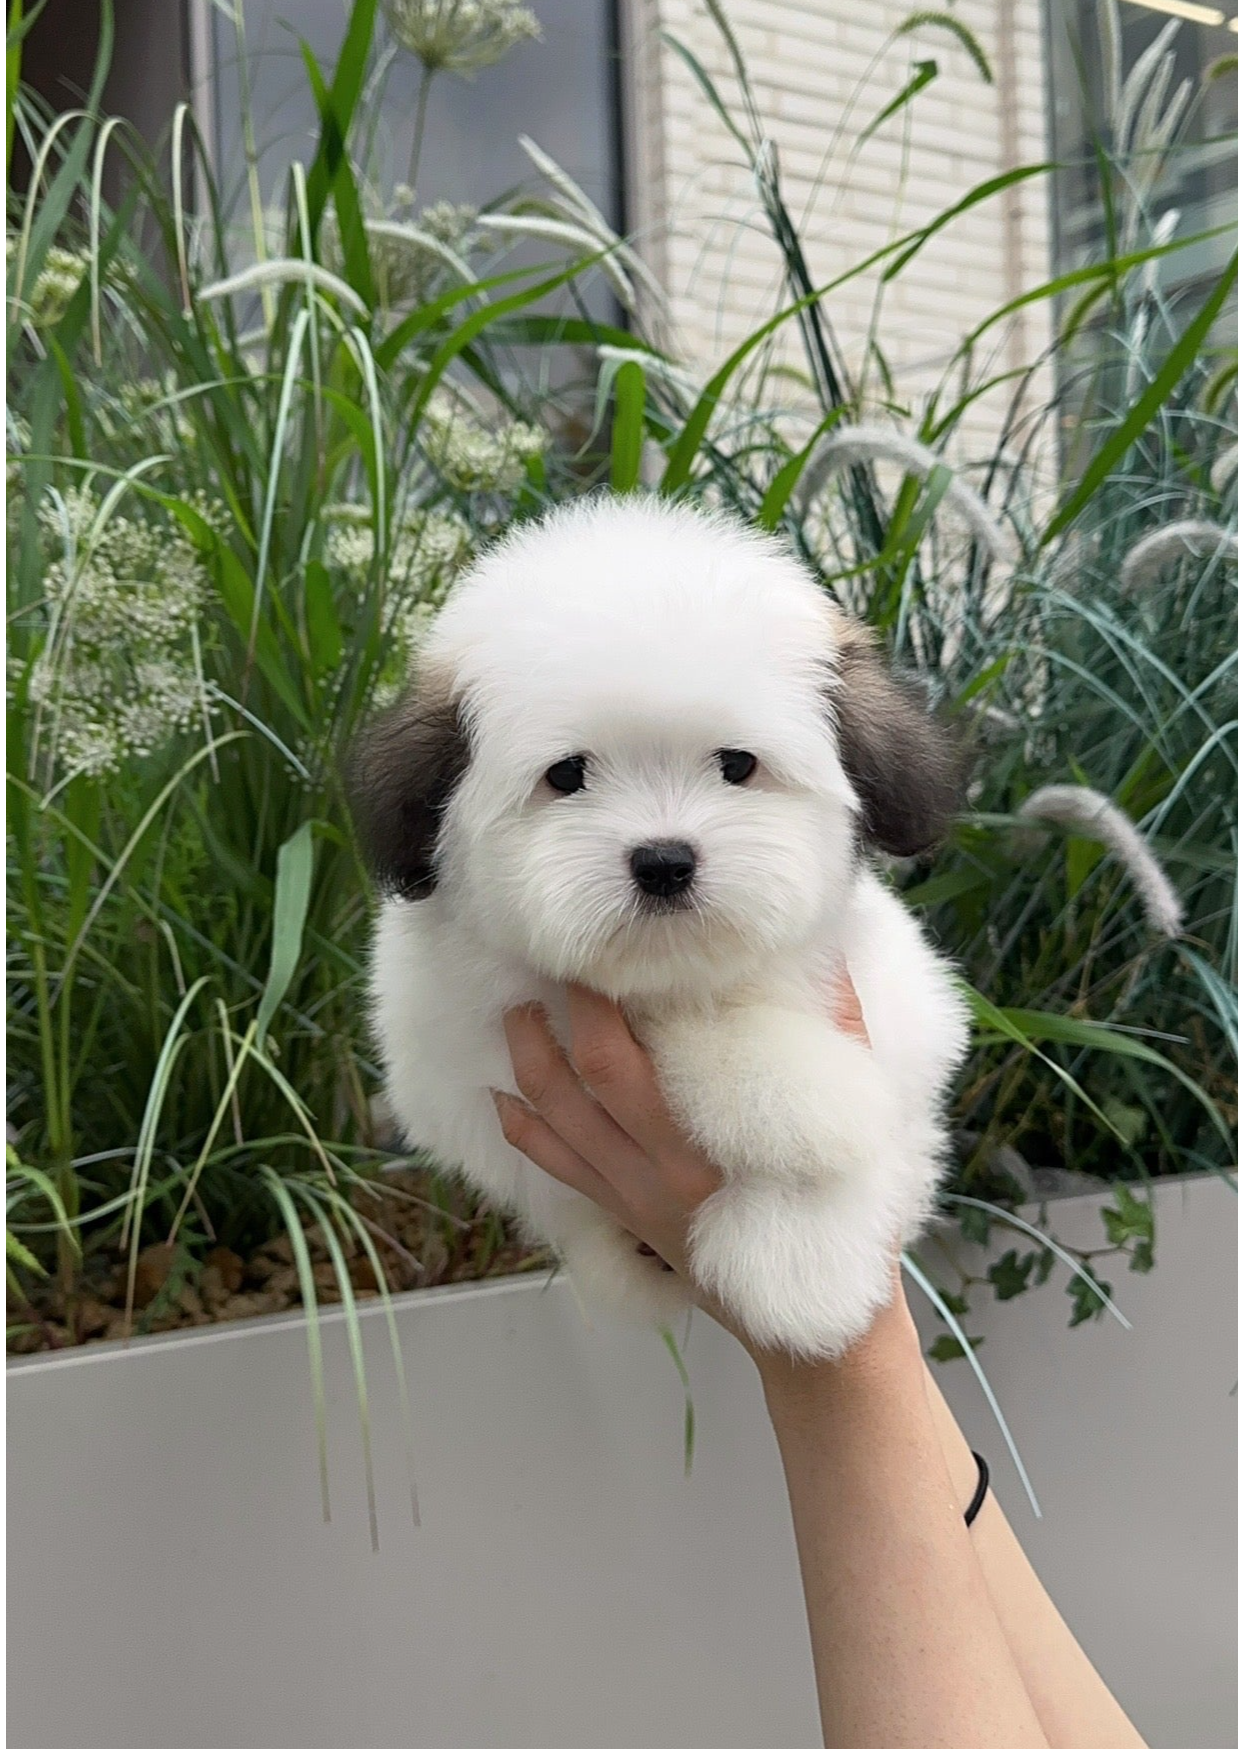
(561, 91)
(1199, 179)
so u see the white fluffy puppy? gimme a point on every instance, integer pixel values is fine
(646, 753)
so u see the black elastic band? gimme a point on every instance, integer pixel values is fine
(982, 1488)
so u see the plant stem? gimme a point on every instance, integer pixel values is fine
(257, 215)
(419, 126)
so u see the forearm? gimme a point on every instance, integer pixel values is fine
(907, 1645)
(1075, 1709)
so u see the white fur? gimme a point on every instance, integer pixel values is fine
(649, 637)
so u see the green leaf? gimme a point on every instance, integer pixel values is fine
(1044, 1267)
(354, 245)
(1023, 1025)
(1131, 1219)
(293, 874)
(938, 889)
(981, 192)
(925, 73)
(431, 315)
(692, 435)
(346, 89)
(628, 434)
(689, 1407)
(1142, 1257)
(1010, 1275)
(236, 591)
(16, 1252)
(1104, 275)
(784, 482)
(568, 331)
(1180, 357)
(956, 1302)
(323, 632)
(950, 1348)
(1086, 1301)
(974, 1225)
(473, 325)
(1130, 1121)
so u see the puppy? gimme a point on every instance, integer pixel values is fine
(646, 753)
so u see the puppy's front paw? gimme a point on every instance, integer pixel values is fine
(772, 1091)
(803, 1268)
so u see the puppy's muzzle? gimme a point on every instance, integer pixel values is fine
(663, 870)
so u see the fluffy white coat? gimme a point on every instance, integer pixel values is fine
(644, 640)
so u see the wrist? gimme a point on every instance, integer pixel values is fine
(886, 1358)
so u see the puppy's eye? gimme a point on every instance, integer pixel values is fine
(567, 775)
(736, 766)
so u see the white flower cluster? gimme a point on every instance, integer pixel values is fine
(408, 255)
(427, 550)
(153, 404)
(116, 678)
(460, 36)
(473, 457)
(16, 443)
(46, 301)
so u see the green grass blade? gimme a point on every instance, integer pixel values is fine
(313, 1333)
(956, 1330)
(689, 1407)
(924, 74)
(628, 433)
(784, 482)
(293, 876)
(1184, 352)
(323, 1211)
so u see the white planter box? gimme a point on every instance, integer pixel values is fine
(171, 1581)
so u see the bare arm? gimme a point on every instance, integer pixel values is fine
(1075, 1708)
(921, 1632)
(907, 1643)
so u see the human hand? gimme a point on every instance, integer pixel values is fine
(594, 1117)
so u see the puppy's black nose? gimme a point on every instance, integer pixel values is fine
(664, 869)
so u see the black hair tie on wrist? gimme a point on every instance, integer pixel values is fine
(982, 1488)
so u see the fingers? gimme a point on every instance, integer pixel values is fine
(847, 1010)
(552, 1087)
(533, 1137)
(617, 1071)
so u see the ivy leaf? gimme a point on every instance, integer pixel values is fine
(1010, 1274)
(1130, 1121)
(956, 1303)
(974, 1225)
(950, 1348)
(1044, 1267)
(1087, 1302)
(1131, 1219)
(1142, 1257)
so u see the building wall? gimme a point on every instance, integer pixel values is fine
(820, 76)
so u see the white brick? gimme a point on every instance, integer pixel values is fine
(807, 62)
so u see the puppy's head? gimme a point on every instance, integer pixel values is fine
(643, 752)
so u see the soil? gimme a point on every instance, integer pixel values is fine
(421, 1243)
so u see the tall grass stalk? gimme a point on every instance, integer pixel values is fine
(252, 446)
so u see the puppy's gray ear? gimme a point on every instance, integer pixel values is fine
(401, 776)
(907, 767)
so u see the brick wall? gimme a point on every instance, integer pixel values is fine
(813, 72)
